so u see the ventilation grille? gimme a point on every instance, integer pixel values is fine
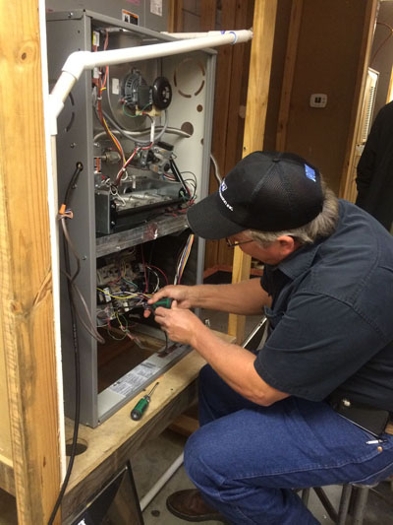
(368, 105)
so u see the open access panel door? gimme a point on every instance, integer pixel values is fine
(133, 152)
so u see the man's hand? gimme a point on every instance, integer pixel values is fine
(181, 325)
(181, 294)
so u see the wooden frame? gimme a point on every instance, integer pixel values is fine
(28, 331)
(257, 97)
(29, 438)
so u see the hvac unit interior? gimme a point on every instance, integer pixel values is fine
(133, 153)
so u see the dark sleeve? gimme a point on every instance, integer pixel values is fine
(318, 343)
(367, 164)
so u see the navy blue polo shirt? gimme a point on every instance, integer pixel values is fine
(332, 315)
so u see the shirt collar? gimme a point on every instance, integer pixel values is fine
(299, 261)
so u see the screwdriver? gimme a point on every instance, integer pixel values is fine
(166, 302)
(140, 408)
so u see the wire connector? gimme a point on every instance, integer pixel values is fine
(65, 213)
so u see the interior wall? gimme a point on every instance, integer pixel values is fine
(381, 58)
(191, 15)
(230, 91)
(327, 60)
(283, 20)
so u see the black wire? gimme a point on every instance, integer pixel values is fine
(177, 174)
(73, 183)
(77, 409)
(75, 343)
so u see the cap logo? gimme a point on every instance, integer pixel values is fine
(224, 187)
(310, 173)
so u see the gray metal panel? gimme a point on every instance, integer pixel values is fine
(74, 145)
(112, 8)
(159, 227)
(152, 14)
(150, 36)
(156, 14)
(193, 76)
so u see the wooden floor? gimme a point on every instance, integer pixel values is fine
(118, 438)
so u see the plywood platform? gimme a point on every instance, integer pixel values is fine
(117, 439)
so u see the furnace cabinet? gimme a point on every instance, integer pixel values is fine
(133, 153)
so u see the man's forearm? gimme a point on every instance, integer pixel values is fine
(236, 367)
(244, 298)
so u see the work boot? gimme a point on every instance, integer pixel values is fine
(189, 506)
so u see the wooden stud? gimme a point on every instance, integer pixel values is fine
(259, 74)
(28, 342)
(289, 70)
(257, 98)
(175, 21)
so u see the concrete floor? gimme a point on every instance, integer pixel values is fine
(158, 455)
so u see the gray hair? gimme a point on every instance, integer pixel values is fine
(323, 225)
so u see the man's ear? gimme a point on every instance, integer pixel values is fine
(287, 244)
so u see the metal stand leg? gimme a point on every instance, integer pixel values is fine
(360, 503)
(353, 502)
(344, 504)
(305, 496)
(326, 503)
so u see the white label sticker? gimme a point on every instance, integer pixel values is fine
(115, 86)
(156, 7)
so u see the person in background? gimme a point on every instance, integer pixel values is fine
(312, 407)
(374, 179)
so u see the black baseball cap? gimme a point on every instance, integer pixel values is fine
(265, 191)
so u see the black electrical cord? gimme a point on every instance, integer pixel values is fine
(177, 174)
(75, 344)
(73, 183)
(70, 280)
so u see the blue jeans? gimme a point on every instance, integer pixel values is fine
(246, 459)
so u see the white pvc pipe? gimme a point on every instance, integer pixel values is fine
(78, 61)
(151, 494)
(195, 35)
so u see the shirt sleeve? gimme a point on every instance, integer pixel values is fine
(318, 343)
(367, 164)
